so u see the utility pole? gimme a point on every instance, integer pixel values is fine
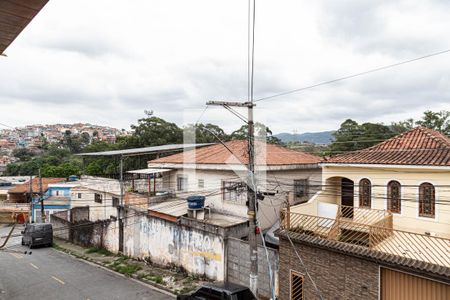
(41, 198)
(31, 197)
(120, 208)
(251, 192)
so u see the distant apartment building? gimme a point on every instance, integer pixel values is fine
(378, 229)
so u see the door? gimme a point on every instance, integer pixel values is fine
(347, 187)
(397, 285)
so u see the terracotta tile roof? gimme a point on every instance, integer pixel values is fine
(366, 253)
(219, 154)
(418, 146)
(24, 188)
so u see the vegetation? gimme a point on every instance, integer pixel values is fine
(59, 160)
(100, 251)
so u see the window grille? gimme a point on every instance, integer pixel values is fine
(297, 286)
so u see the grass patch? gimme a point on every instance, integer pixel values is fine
(100, 251)
(157, 279)
(127, 269)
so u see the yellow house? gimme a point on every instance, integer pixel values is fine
(408, 176)
(378, 229)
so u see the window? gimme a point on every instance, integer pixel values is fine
(427, 199)
(234, 191)
(300, 188)
(296, 286)
(182, 183)
(201, 183)
(394, 197)
(79, 195)
(365, 193)
(98, 198)
(115, 201)
(57, 193)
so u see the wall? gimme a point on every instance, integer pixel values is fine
(98, 211)
(238, 266)
(410, 179)
(60, 222)
(337, 276)
(167, 243)
(269, 208)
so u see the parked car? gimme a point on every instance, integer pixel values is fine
(219, 291)
(37, 234)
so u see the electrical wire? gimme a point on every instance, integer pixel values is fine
(352, 76)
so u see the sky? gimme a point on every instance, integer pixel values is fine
(106, 61)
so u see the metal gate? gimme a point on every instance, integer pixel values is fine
(397, 285)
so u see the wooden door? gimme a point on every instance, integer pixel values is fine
(347, 187)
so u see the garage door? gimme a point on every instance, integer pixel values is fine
(402, 286)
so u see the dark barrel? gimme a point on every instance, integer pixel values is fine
(196, 202)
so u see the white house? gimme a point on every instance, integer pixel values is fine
(219, 172)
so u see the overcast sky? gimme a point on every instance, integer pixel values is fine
(106, 61)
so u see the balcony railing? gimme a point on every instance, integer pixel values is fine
(374, 231)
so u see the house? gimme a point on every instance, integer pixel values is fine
(219, 172)
(56, 198)
(379, 226)
(21, 192)
(102, 195)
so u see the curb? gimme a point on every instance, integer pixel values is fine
(132, 277)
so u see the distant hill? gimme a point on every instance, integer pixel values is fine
(323, 137)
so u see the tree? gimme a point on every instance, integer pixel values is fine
(353, 136)
(402, 126)
(206, 133)
(23, 154)
(262, 132)
(439, 121)
(154, 131)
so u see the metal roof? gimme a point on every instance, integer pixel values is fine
(149, 171)
(145, 150)
(15, 15)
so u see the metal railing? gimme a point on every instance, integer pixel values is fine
(376, 233)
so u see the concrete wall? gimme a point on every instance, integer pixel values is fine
(61, 224)
(280, 182)
(238, 266)
(166, 243)
(410, 179)
(336, 275)
(82, 196)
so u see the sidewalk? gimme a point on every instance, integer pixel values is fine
(171, 280)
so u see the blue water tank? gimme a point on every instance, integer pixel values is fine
(196, 202)
(73, 178)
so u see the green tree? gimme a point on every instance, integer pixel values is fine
(262, 132)
(439, 121)
(353, 136)
(206, 133)
(153, 131)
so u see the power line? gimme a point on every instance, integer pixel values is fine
(352, 76)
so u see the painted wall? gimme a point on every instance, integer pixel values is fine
(280, 182)
(81, 196)
(58, 191)
(410, 179)
(167, 243)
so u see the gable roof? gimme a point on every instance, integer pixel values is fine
(418, 146)
(25, 187)
(266, 154)
(15, 15)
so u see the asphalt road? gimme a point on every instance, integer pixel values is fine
(50, 274)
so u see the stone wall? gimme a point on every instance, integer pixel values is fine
(238, 266)
(336, 275)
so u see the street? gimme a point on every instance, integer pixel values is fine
(50, 274)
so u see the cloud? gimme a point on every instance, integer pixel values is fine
(108, 63)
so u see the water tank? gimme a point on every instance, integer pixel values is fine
(196, 202)
(73, 178)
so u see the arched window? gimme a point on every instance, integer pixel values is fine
(365, 193)
(394, 197)
(427, 199)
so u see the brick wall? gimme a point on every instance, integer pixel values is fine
(238, 265)
(337, 276)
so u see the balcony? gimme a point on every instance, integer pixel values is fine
(364, 228)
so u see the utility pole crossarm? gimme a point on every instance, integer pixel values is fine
(231, 103)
